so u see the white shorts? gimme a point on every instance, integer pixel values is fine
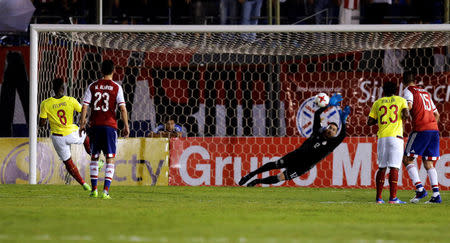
(390, 152)
(62, 143)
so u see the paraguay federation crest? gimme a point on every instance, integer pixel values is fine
(305, 117)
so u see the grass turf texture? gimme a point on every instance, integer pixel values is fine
(62, 213)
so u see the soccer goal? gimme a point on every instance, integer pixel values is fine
(239, 91)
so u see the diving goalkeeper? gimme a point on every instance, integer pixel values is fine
(322, 142)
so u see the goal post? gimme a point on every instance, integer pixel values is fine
(192, 65)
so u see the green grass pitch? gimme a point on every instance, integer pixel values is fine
(62, 213)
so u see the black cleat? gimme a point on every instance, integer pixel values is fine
(244, 180)
(252, 183)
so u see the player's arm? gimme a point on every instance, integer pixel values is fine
(84, 110)
(124, 116)
(42, 115)
(435, 111)
(174, 134)
(316, 124)
(405, 114)
(371, 121)
(436, 115)
(343, 114)
(372, 118)
(42, 122)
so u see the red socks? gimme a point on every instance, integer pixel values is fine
(393, 179)
(379, 181)
(73, 170)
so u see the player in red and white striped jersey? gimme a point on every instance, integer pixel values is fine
(424, 139)
(102, 97)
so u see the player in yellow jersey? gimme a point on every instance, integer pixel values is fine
(389, 112)
(59, 110)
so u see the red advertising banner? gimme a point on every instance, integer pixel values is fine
(223, 161)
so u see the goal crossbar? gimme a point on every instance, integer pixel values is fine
(274, 42)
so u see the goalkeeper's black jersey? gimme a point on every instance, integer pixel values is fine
(316, 147)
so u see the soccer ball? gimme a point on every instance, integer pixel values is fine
(322, 99)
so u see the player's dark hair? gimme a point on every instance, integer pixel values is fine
(167, 118)
(57, 83)
(333, 123)
(408, 77)
(107, 67)
(389, 88)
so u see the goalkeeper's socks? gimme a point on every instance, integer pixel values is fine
(73, 170)
(269, 180)
(94, 174)
(393, 180)
(109, 174)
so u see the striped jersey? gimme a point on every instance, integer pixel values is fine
(423, 108)
(103, 96)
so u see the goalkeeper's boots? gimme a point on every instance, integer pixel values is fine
(380, 201)
(436, 199)
(105, 195)
(419, 195)
(396, 201)
(245, 179)
(86, 187)
(100, 163)
(94, 194)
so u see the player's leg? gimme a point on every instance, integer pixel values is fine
(394, 154)
(73, 171)
(110, 153)
(62, 147)
(432, 175)
(268, 180)
(87, 145)
(430, 155)
(96, 148)
(379, 181)
(414, 147)
(278, 164)
(381, 173)
(266, 167)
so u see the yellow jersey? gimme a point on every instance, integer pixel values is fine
(60, 114)
(388, 113)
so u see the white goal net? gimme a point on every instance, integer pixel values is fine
(250, 83)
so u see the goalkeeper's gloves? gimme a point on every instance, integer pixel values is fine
(344, 113)
(335, 100)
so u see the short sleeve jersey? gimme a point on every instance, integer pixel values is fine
(59, 113)
(423, 108)
(103, 96)
(387, 112)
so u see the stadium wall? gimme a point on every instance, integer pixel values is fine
(223, 161)
(219, 161)
(139, 161)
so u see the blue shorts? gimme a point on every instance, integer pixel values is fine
(103, 139)
(424, 143)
